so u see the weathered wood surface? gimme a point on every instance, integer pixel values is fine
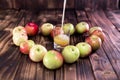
(104, 64)
(57, 4)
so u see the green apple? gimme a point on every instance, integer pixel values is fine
(19, 29)
(94, 41)
(18, 38)
(92, 29)
(37, 53)
(53, 60)
(84, 49)
(70, 54)
(82, 27)
(46, 28)
(68, 28)
(26, 46)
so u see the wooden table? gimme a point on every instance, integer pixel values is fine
(104, 64)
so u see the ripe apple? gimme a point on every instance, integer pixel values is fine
(18, 38)
(99, 34)
(92, 29)
(84, 48)
(46, 28)
(53, 60)
(19, 29)
(68, 28)
(70, 54)
(82, 27)
(26, 46)
(31, 28)
(56, 31)
(37, 53)
(94, 41)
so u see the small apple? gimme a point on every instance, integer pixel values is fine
(18, 38)
(84, 49)
(31, 28)
(70, 54)
(37, 53)
(46, 28)
(19, 29)
(82, 27)
(94, 41)
(68, 28)
(92, 29)
(26, 46)
(56, 31)
(53, 60)
(99, 34)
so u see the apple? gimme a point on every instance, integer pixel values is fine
(99, 34)
(68, 28)
(18, 38)
(46, 28)
(92, 29)
(53, 60)
(19, 29)
(94, 41)
(31, 28)
(84, 48)
(82, 27)
(70, 54)
(56, 31)
(26, 46)
(37, 53)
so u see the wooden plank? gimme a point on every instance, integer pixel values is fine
(101, 20)
(114, 18)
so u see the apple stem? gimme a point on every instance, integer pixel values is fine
(63, 15)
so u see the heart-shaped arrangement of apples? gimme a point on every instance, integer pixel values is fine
(53, 59)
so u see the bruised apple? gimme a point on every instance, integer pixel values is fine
(92, 29)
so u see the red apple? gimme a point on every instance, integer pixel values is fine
(31, 28)
(99, 34)
(26, 46)
(84, 48)
(92, 29)
(37, 53)
(53, 60)
(94, 41)
(56, 31)
(82, 27)
(46, 28)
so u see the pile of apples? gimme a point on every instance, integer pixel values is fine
(53, 59)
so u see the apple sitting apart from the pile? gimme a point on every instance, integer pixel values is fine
(19, 29)
(82, 27)
(46, 28)
(68, 28)
(31, 28)
(84, 49)
(18, 38)
(92, 29)
(94, 41)
(53, 60)
(56, 31)
(99, 34)
(70, 54)
(26, 46)
(37, 53)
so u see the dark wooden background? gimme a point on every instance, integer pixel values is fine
(57, 4)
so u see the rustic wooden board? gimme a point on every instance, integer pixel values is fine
(100, 65)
